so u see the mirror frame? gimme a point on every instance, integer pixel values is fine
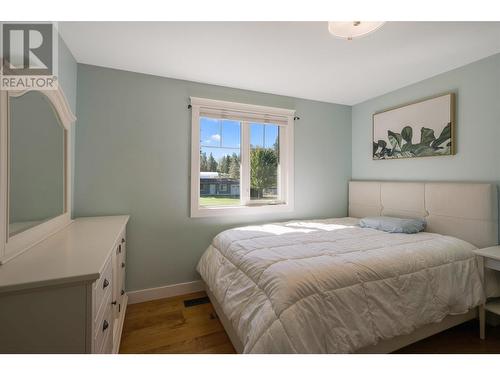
(19, 243)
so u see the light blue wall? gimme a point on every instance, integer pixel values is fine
(477, 89)
(132, 157)
(67, 73)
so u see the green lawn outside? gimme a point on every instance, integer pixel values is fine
(219, 201)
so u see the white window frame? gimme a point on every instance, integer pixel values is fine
(266, 114)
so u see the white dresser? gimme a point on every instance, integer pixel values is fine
(67, 293)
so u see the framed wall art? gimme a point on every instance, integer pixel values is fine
(423, 128)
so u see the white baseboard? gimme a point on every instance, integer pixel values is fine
(166, 291)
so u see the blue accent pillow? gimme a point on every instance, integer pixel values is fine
(393, 224)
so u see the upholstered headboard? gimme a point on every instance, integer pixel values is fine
(464, 210)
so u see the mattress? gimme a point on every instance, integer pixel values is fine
(329, 286)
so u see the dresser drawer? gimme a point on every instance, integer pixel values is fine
(102, 286)
(121, 243)
(107, 345)
(103, 324)
(119, 273)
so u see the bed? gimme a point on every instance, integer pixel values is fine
(329, 286)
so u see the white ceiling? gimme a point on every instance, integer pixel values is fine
(299, 59)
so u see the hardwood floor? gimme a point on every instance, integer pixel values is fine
(462, 339)
(167, 326)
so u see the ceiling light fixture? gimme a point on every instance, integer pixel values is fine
(351, 30)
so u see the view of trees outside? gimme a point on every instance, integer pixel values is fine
(264, 159)
(220, 152)
(220, 156)
(228, 165)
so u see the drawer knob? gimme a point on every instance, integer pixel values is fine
(113, 303)
(123, 264)
(105, 283)
(105, 325)
(123, 240)
(122, 292)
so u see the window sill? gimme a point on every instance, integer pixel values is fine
(240, 210)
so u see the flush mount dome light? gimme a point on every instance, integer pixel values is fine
(354, 29)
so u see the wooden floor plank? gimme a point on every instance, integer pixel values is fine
(462, 339)
(167, 326)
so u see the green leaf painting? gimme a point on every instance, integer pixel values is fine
(426, 136)
(422, 128)
(444, 137)
(407, 134)
(396, 140)
(403, 145)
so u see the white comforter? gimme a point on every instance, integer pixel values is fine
(329, 286)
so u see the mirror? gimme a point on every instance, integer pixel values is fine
(36, 162)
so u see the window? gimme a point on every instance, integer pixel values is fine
(242, 158)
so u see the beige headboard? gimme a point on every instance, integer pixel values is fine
(463, 210)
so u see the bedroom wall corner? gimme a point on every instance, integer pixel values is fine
(477, 89)
(132, 157)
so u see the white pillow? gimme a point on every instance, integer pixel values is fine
(393, 224)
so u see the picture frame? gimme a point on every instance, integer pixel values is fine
(419, 129)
